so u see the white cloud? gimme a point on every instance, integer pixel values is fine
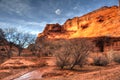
(5, 25)
(37, 24)
(58, 11)
(16, 6)
(34, 32)
(22, 25)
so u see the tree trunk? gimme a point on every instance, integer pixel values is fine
(19, 52)
(9, 53)
(73, 65)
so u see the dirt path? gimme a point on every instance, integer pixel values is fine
(37, 74)
(113, 73)
(11, 77)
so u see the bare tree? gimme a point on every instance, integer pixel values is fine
(22, 40)
(74, 53)
(63, 55)
(18, 39)
(10, 34)
(2, 46)
(44, 47)
(33, 49)
(2, 35)
(81, 48)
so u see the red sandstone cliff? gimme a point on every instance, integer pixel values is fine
(102, 22)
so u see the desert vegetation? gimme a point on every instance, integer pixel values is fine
(11, 39)
(101, 61)
(70, 53)
(85, 48)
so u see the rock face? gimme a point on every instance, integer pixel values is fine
(52, 28)
(102, 22)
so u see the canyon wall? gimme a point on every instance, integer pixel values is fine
(102, 22)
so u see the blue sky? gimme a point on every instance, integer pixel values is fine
(32, 15)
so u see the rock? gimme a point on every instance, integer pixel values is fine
(101, 22)
(52, 28)
(95, 26)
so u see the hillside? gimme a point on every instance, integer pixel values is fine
(102, 22)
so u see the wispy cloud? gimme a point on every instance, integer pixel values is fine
(16, 6)
(33, 15)
(5, 25)
(31, 27)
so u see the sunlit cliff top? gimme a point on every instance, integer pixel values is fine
(102, 22)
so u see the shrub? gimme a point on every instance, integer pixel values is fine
(63, 56)
(74, 52)
(41, 63)
(62, 63)
(117, 58)
(101, 61)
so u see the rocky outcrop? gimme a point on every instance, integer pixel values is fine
(52, 28)
(102, 22)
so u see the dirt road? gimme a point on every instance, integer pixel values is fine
(37, 74)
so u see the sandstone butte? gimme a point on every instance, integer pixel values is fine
(101, 22)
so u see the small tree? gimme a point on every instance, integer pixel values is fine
(33, 48)
(10, 34)
(63, 55)
(2, 45)
(18, 39)
(44, 47)
(81, 49)
(22, 40)
(2, 35)
(74, 53)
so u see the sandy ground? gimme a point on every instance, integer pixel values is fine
(50, 72)
(37, 74)
(18, 66)
(16, 73)
(107, 74)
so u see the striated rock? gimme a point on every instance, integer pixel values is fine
(102, 22)
(102, 27)
(52, 28)
(71, 24)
